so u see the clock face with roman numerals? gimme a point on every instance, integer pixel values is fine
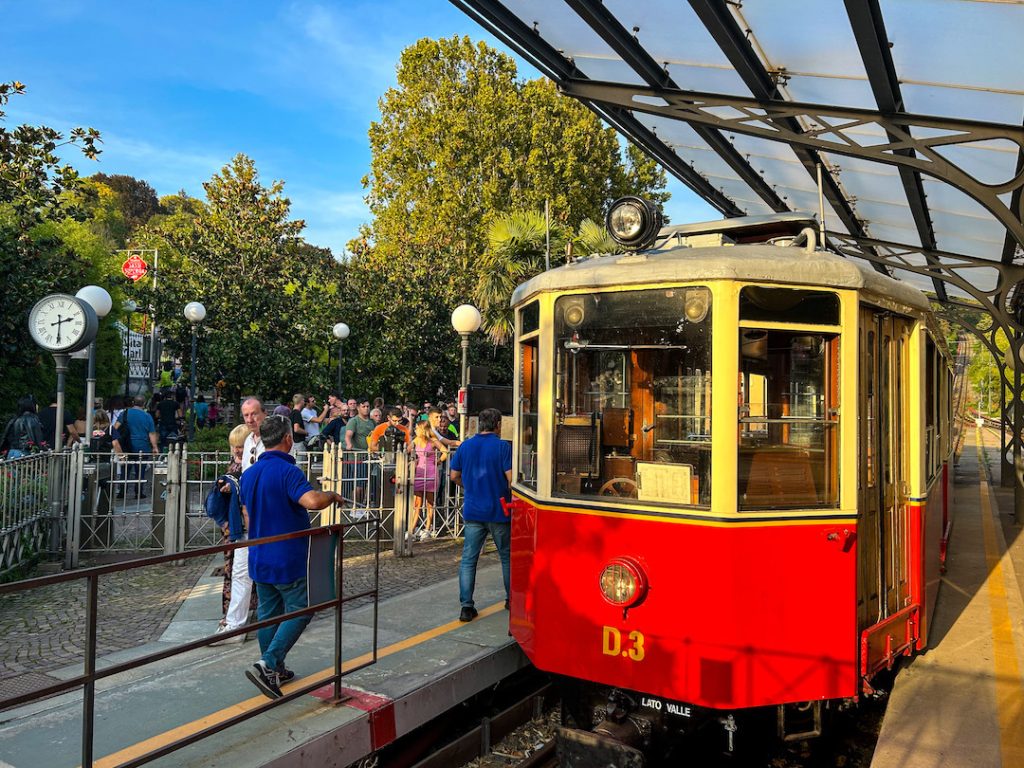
(62, 323)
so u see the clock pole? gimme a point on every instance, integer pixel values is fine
(61, 360)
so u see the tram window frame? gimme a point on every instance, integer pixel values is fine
(528, 421)
(632, 389)
(931, 445)
(782, 464)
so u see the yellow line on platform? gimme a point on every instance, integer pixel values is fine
(188, 729)
(1009, 699)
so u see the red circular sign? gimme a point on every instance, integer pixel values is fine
(134, 268)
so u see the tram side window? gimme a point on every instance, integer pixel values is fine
(788, 420)
(527, 472)
(633, 395)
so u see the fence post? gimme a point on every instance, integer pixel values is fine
(403, 501)
(181, 511)
(73, 507)
(169, 496)
(58, 487)
(331, 481)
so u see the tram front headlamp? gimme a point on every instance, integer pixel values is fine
(623, 583)
(633, 222)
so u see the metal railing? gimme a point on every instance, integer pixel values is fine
(78, 502)
(87, 681)
(33, 493)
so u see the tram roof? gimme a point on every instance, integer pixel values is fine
(758, 263)
(911, 109)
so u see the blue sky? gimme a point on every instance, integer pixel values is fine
(178, 88)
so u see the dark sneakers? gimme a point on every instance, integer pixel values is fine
(468, 613)
(506, 603)
(266, 679)
(285, 676)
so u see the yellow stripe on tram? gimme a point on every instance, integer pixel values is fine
(1009, 698)
(167, 737)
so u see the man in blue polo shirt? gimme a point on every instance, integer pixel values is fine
(277, 497)
(483, 467)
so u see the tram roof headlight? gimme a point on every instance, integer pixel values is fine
(633, 222)
(622, 583)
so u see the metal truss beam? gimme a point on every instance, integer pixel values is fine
(512, 31)
(722, 26)
(834, 129)
(869, 31)
(604, 23)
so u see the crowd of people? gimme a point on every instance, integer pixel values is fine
(264, 493)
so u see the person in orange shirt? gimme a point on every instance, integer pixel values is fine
(380, 432)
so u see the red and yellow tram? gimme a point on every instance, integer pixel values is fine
(730, 480)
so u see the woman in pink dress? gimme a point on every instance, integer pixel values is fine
(429, 452)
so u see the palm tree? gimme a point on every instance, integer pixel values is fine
(515, 253)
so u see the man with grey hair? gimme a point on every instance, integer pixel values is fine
(253, 415)
(277, 497)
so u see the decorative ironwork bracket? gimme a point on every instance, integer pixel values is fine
(872, 136)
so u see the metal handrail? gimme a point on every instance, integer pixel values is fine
(87, 680)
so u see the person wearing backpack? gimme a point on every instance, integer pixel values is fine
(24, 431)
(135, 439)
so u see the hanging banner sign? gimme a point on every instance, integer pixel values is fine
(134, 268)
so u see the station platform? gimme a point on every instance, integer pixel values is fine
(428, 662)
(962, 702)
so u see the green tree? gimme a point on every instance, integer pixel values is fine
(136, 199)
(460, 140)
(267, 293)
(41, 250)
(32, 176)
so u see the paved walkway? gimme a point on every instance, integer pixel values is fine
(962, 702)
(43, 630)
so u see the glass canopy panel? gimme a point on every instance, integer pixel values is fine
(979, 43)
(801, 36)
(831, 90)
(560, 27)
(986, 106)
(674, 37)
(875, 193)
(613, 69)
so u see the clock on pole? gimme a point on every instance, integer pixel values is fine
(62, 324)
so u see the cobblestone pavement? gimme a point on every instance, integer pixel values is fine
(44, 629)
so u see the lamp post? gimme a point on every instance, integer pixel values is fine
(465, 320)
(341, 332)
(195, 313)
(101, 303)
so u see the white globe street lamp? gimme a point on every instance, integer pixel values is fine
(466, 320)
(341, 332)
(195, 313)
(101, 303)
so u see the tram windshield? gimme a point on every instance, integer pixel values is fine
(633, 395)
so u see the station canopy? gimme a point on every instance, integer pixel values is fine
(910, 110)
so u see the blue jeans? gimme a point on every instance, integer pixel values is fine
(276, 600)
(475, 534)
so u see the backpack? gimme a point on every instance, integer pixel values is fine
(218, 503)
(315, 442)
(22, 430)
(392, 440)
(123, 434)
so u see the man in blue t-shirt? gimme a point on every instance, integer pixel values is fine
(134, 439)
(277, 496)
(483, 467)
